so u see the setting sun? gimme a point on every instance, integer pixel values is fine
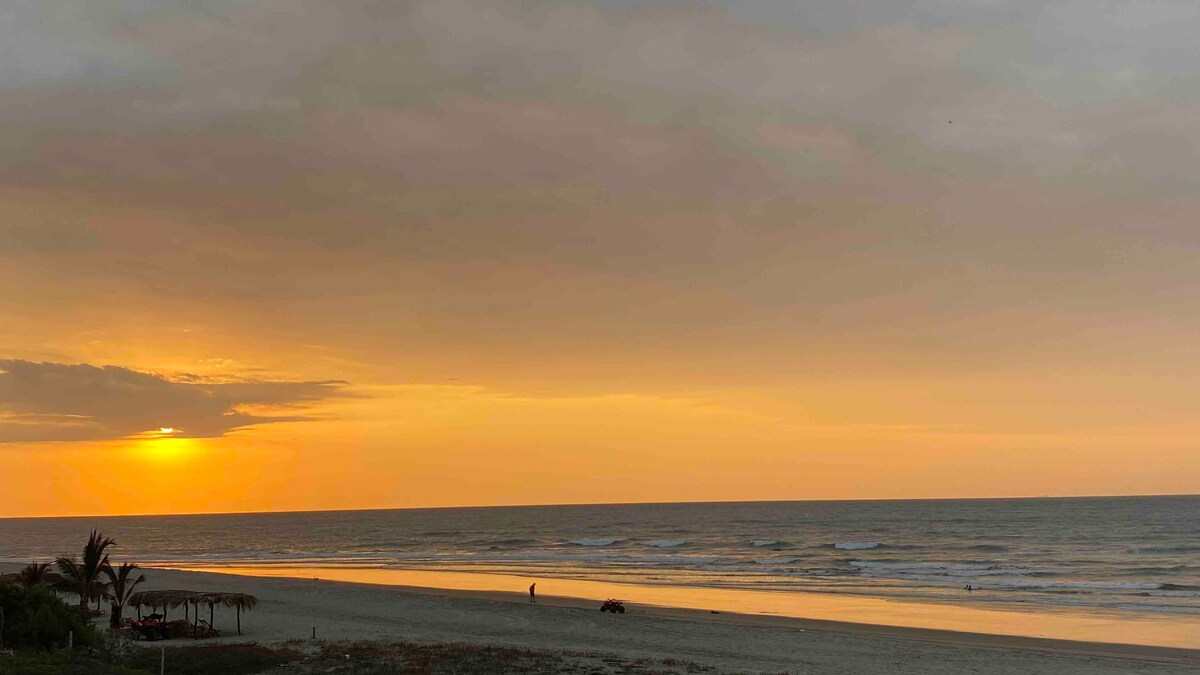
(865, 312)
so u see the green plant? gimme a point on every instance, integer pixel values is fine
(234, 659)
(35, 618)
(83, 576)
(120, 586)
(60, 663)
(115, 647)
(36, 574)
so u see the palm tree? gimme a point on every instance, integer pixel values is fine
(36, 574)
(83, 576)
(120, 588)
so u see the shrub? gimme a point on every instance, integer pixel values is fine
(35, 618)
(232, 659)
(60, 663)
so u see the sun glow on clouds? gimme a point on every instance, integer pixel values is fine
(735, 251)
(166, 449)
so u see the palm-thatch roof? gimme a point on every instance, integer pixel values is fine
(166, 598)
(239, 600)
(178, 598)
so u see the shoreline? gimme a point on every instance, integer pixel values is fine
(291, 607)
(1118, 632)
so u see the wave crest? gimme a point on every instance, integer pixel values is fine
(666, 543)
(857, 545)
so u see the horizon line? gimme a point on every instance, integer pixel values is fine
(631, 503)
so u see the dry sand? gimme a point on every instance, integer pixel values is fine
(291, 608)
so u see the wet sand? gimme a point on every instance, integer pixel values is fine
(730, 642)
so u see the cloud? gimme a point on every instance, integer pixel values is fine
(75, 402)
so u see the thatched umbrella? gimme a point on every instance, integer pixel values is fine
(177, 598)
(165, 599)
(239, 601)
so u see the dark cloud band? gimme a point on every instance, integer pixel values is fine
(72, 402)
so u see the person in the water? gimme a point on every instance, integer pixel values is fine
(532, 591)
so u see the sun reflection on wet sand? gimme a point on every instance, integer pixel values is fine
(1106, 626)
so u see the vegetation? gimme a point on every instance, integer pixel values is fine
(83, 576)
(406, 658)
(120, 586)
(200, 660)
(37, 619)
(39, 625)
(205, 659)
(36, 574)
(60, 663)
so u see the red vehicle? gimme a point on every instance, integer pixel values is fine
(614, 606)
(152, 628)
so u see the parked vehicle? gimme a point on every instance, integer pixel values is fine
(152, 629)
(614, 606)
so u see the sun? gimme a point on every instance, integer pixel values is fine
(165, 450)
(167, 430)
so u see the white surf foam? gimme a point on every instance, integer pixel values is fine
(777, 561)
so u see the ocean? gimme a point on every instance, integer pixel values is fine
(1127, 553)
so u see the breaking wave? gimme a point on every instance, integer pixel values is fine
(857, 545)
(595, 542)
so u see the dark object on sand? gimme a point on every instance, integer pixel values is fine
(152, 629)
(614, 606)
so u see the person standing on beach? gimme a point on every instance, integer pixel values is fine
(532, 590)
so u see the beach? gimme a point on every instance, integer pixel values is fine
(290, 609)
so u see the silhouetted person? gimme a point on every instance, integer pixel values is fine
(532, 591)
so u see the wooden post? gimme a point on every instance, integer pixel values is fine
(210, 615)
(195, 620)
(239, 618)
(185, 611)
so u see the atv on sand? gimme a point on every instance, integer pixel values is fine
(614, 606)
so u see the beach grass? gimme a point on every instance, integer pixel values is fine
(345, 658)
(409, 658)
(60, 663)
(232, 659)
(227, 659)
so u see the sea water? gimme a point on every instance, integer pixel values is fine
(1127, 553)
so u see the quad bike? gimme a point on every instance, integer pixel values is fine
(152, 629)
(614, 606)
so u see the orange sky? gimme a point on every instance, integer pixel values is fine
(456, 253)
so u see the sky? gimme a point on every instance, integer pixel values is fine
(289, 255)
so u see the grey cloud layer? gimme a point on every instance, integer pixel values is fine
(457, 166)
(618, 97)
(61, 402)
